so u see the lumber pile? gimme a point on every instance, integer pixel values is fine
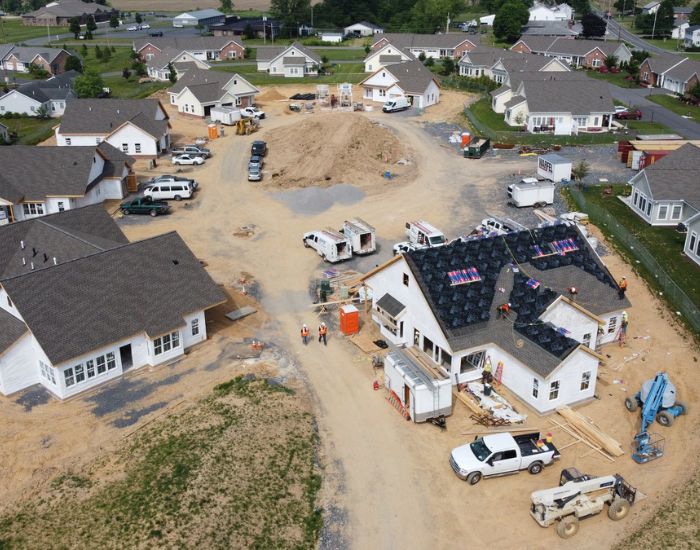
(591, 432)
(471, 405)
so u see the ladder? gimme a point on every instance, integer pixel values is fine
(498, 375)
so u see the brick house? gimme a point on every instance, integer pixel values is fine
(202, 48)
(431, 45)
(590, 54)
(21, 58)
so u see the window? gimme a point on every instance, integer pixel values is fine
(166, 343)
(691, 247)
(68, 376)
(47, 372)
(33, 108)
(596, 63)
(445, 359)
(33, 209)
(68, 142)
(125, 147)
(535, 388)
(61, 206)
(585, 380)
(194, 324)
(79, 373)
(663, 211)
(676, 212)
(239, 101)
(471, 362)
(382, 93)
(554, 390)
(405, 279)
(612, 324)
(636, 196)
(587, 340)
(137, 148)
(101, 365)
(649, 208)
(111, 363)
(90, 368)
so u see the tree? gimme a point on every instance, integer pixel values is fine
(73, 64)
(84, 51)
(421, 57)
(172, 75)
(611, 61)
(38, 72)
(114, 21)
(448, 66)
(98, 52)
(429, 62)
(664, 21)
(42, 112)
(509, 21)
(106, 55)
(593, 25)
(695, 15)
(290, 11)
(138, 18)
(126, 73)
(74, 27)
(248, 32)
(226, 6)
(582, 7)
(580, 170)
(89, 84)
(695, 91)
(140, 68)
(368, 49)
(428, 16)
(91, 25)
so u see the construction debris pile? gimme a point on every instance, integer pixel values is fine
(495, 404)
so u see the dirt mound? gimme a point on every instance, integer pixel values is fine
(327, 149)
(270, 94)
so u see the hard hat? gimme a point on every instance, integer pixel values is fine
(304, 325)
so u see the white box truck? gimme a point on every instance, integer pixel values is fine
(422, 393)
(330, 245)
(225, 115)
(362, 236)
(531, 192)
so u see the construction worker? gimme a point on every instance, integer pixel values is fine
(503, 311)
(486, 374)
(623, 328)
(305, 334)
(322, 331)
(623, 288)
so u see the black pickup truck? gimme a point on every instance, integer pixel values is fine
(144, 205)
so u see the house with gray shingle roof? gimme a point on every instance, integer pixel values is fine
(436, 46)
(71, 316)
(363, 28)
(293, 61)
(497, 64)
(197, 91)
(577, 53)
(60, 12)
(386, 55)
(202, 48)
(36, 181)
(668, 191)
(138, 127)
(158, 66)
(411, 79)
(37, 97)
(544, 350)
(21, 58)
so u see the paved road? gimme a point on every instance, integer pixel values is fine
(616, 30)
(656, 113)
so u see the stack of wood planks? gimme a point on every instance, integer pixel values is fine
(589, 431)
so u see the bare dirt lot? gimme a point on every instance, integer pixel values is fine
(387, 482)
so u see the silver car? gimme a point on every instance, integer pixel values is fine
(254, 173)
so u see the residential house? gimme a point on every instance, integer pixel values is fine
(331, 37)
(691, 247)
(204, 18)
(60, 12)
(551, 28)
(544, 352)
(540, 12)
(258, 27)
(487, 20)
(652, 69)
(21, 58)
(502, 95)
(411, 79)
(197, 91)
(683, 77)
(590, 54)
(670, 71)
(36, 181)
(435, 46)
(561, 106)
(363, 28)
(496, 63)
(137, 127)
(692, 37)
(294, 61)
(651, 8)
(158, 66)
(681, 14)
(678, 31)
(40, 97)
(667, 192)
(201, 48)
(81, 305)
(385, 56)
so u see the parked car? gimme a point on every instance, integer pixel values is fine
(144, 205)
(620, 109)
(502, 454)
(191, 150)
(629, 115)
(172, 191)
(187, 159)
(144, 27)
(255, 161)
(330, 245)
(170, 179)
(132, 28)
(156, 33)
(395, 105)
(252, 112)
(254, 173)
(258, 148)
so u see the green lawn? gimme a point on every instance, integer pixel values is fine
(347, 72)
(614, 78)
(664, 243)
(672, 104)
(30, 130)
(131, 89)
(119, 59)
(495, 121)
(334, 54)
(12, 31)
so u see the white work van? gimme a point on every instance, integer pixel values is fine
(531, 192)
(330, 245)
(362, 236)
(423, 235)
(173, 191)
(396, 104)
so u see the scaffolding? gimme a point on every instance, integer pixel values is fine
(323, 95)
(345, 95)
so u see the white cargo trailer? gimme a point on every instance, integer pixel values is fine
(361, 234)
(423, 393)
(554, 167)
(531, 192)
(225, 115)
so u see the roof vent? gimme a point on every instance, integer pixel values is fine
(54, 261)
(176, 262)
(21, 244)
(117, 111)
(24, 261)
(34, 252)
(90, 108)
(46, 258)
(32, 266)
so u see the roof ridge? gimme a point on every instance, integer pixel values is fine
(69, 234)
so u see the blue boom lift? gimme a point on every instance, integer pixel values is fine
(658, 401)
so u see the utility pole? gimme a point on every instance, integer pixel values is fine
(264, 31)
(653, 29)
(447, 27)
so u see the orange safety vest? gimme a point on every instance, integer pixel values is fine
(322, 330)
(304, 331)
(623, 283)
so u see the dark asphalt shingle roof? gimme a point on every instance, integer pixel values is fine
(187, 43)
(413, 40)
(57, 88)
(65, 236)
(663, 62)
(103, 116)
(684, 71)
(390, 304)
(115, 159)
(413, 77)
(568, 96)
(676, 176)
(27, 53)
(79, 306)
(11, 329)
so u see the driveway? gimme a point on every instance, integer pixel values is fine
(656, 113)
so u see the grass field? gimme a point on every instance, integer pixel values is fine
(614, 78)
(12, 31)
(234, 470)
(672, 104)
(347, 72)
(120, 58)
(131, 89)
(30, 130)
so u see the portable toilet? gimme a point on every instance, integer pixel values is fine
(349, 320)
(213, 131)
(466, 139)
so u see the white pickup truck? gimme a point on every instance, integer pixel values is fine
(502, 454)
